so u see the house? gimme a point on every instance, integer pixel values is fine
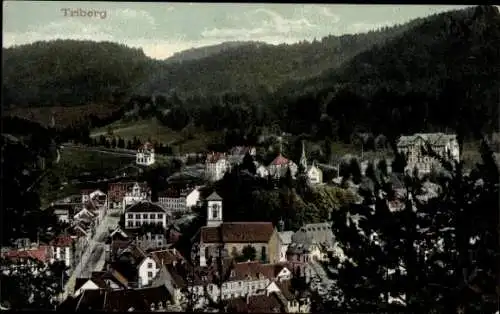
(137, 192)
(27, 255)
(234, 236)
(445, 145)
(63, 249)
(238, 153)
(261, 170)
(129, 300)
(145, 155)
(65, 212)
(175, 200)
(109, 279)
(311, 242)
(216, 165)
(285, 241)
(117, 192)
(150, 266)
(269, 303)
(280, 165)
(313, 173)
(88, 194)
(293, 302)
(145, 212)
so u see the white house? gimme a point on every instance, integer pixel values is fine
(138, 192)
(216, 165)
(176, 201)
(445, 145)
(145, 155)
(285, 241)
(145, 212)
(62, 250)
(313, 173)
(151, 265)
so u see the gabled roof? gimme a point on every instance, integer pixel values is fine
(257, 304)
(41, 253)
(279, 160)
(238, 232)
(214, 197)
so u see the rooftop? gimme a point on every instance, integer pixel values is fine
(238, 232)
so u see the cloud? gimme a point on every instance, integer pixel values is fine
(135, 16)
(273, 25)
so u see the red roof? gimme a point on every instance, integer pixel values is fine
(252, 270)
(280, 160)
(238, 232)
(62, 241)
(42, 253)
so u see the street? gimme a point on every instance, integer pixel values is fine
(93, 255)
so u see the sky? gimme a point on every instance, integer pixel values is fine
(162, 29)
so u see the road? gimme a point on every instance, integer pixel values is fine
(92, 255)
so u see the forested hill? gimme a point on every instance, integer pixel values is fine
(263, 68)
(206, 51)
(440, 74)
(70, 72)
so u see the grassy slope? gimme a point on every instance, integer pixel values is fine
(152, 129)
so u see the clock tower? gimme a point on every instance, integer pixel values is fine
(214, 210)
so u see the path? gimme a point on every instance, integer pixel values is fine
(89, 260)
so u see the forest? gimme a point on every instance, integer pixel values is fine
(432, 74)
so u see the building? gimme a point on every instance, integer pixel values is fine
(145, 212)
(280, 166)
(312, 172)
(145, 155)
(122, 194)
(150, 267)
(285, 241)
(216, 165)
(88, 194)
(238, 153)
(234, 236)
(178, 201)
(445, 145)
(63, 249)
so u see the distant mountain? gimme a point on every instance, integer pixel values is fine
(263, 67)
(207, 51)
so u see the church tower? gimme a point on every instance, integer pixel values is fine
(214, 210)
(303, 158)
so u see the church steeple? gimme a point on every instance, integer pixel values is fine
(303, 158)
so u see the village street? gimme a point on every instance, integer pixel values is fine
(93, 254)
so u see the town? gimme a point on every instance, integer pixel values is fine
(250, 158)
(122, 247)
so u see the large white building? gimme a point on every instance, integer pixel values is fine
(446, 145)
(138, 192)
(177, 201)
(145, 212)
(216, 165)
(145, 155)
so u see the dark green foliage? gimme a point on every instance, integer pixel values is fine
(247, 254)
(70, 72)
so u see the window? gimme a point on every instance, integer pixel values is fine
(130, 216)
(130, 224)
(150, 265)
(151, 216)
(159, 216)
(144, 216)
(137, 216)
(150, 274)
(215, 212)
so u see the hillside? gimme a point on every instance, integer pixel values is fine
(206, 51)
(69, 72)
(263, 68)
(435, 76)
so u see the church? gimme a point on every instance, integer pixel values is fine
(234, 236)
(313, 173)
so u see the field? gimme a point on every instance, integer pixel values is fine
(63, 115)
(154, 130)
(77, 167)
